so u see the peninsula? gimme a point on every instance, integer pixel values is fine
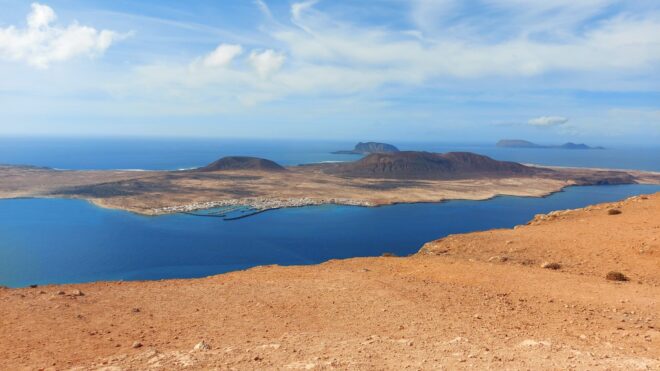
(519, 143)
(539, 296)
(260, 184)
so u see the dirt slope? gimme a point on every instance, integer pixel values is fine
(447, 307)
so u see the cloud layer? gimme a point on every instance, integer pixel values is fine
(328, 55)
(428, 65)
(42, 43)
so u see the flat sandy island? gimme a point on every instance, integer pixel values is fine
(162, 192)
(474, 301)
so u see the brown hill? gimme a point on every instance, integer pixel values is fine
(427, 165)
(242, 163)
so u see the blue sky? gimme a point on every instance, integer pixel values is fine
(442, 70)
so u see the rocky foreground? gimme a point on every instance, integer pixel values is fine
(532, 297)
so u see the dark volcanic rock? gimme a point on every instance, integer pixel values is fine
(242, 163)
(427, 165)
(370, 147)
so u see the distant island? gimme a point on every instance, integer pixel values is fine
(261, 184)
(368, 148)
(519, 143)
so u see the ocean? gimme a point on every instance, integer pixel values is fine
(172, 154)
(46, 241)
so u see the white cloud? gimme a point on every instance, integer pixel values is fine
(41, 16)
(329, 57)
(42, 43)
(263, 8)
(298, 8)
(320, 39)
(328, 60)
(267, 62)
(222, 55)
(546, 121)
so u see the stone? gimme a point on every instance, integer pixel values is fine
(551, 265)
(202, 345)
(616, 276)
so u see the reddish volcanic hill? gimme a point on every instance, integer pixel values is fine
(242, 163)
(427, 165)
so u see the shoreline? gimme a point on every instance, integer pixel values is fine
(477, 300)
(161, 193)
(266, 203)
(262, 204)
(377, 254)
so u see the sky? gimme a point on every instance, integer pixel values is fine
(417, 70)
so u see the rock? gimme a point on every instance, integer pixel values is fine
(616, 276)
(135, 310)
(202, 345)
(60, 292)
(613, 212)
(136, 345)
(77, 293)
(551, 265)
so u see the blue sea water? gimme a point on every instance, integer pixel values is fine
(45, 241)
(171, 154)
(62, 241)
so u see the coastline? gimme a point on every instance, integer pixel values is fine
(267, 203)
(167, 192)
(476, 300)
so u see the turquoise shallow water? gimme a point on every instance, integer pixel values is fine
(63, 241)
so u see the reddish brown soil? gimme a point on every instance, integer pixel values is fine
(479, 300)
